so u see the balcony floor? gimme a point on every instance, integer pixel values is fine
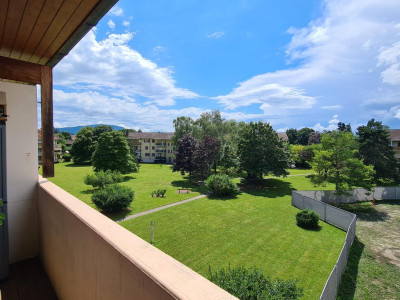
(27, 280)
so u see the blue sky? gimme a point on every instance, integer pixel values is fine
(291, 63)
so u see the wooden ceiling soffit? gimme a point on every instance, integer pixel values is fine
(13, 69)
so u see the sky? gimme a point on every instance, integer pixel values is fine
(291, 63)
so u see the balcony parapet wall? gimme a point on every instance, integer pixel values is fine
(88, 256)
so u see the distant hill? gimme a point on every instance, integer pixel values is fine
(74, 130)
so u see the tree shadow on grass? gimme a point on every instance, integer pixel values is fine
(224, 198)
(271, 188)
(126, 178)
(316, 229)
(185, 184)
(347, 287)
(118, 216)
(89, 192)
(73, 165)
(365, 211)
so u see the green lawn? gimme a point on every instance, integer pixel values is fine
(151, 176)
(257, 228)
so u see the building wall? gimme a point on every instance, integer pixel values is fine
(22, 169)
(150, 154)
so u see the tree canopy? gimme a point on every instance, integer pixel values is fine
(84, 145)
(299, 137)
(184, 155)
(261, 151)
(335, 162)
(375, 149)
(112, 153)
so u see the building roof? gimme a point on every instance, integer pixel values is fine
(55, 137)
(394, 134)
(150, 135)
(283, 136)
(43, 32)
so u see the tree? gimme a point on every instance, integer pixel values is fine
(344, 127)
(292, 136)
(314, 138)
(229, 158)
(298, 159)
(205, 155)
(183, 126)
(66, 135)
(99, 129)
(374, 148)
(336, 163)
(184, 155)
(261, 151)
(126, 131)
(84, 145)
(303, 135)
(112, 153)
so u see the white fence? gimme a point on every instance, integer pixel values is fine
(339, 218)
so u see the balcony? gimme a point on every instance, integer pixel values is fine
(85, 255)
(397, 148)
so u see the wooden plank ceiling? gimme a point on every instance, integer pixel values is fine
(44, 31)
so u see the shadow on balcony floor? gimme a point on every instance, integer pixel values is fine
(27, 280)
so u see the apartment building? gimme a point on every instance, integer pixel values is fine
(152, 147)
(56, 145)
(395, 141)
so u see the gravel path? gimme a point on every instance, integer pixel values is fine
(160, 208)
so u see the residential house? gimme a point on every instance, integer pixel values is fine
(56, 145)
(395, 141)
(84, 254)
(69, 143)
(152, 147)
(283, 136)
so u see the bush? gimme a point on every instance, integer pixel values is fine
(67, 157)
(251, 283)
(113, 198)
(101, 179)
(221, 185)
(158, 193)
(307, 219)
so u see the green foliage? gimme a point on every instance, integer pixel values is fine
(221, 185)
(299, 137)
(84, 145)
(307, 219)
(336, 163)
(66, 135)
(113, 153)
(343, 127)
(102, 178)
(229, 161)
(261, 151)
(251, 283)
(67, 157)
(205, 155)
(2, 216)
(374, 148)
(159, 193)
(184, 155)
(113, 198)
(297, 156)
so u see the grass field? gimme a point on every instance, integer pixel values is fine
(256, 228)
(151, 176)
(373, 270)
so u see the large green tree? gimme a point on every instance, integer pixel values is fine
(84, 145)
(375, 149)
(336, 162)
(261, 151)
(112, 153)
(299, 137)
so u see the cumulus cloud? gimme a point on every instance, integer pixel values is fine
(215, 35)
(111, 24)
(116, 11)
(111, 65)
(345, 58)
(126, 23)
(95, 108)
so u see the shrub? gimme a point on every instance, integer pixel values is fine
(307, 219)
(251, 283)
(67, 157)
(101, 179)
(158, 193)
(221, 185)
(113, 198)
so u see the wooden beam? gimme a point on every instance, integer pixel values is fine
(47, 121)
(17, 70)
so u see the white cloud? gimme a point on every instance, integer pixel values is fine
(126, 23)
(111, 24)
(111, 65)
(344, 59)
(215, 35)
(95, 108)
(116, 11)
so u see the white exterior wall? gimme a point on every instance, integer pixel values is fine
(22, 169)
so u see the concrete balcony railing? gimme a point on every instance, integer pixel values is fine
(88, 256)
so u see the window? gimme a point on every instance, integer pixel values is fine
(153, 147)
(147, 154)
(154, 141)
(153, 154)
(146, 148)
